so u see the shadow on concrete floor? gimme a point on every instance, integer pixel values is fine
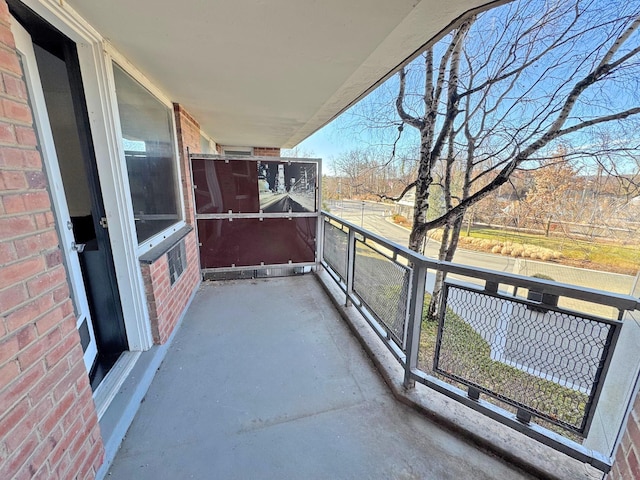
(265, 381)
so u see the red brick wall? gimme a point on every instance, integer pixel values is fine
(266, 151)
(48, 422)
(188, 130)
(257, 151)
(166, 302)
(627, 460)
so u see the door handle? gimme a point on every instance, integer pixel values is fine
(78, 247)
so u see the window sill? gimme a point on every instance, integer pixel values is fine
(163, 247)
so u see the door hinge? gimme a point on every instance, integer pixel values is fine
(103, 222)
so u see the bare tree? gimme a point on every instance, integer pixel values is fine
(549, 197)
(509, 86)
(519, 92)
(367, 172)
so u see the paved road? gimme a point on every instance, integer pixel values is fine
(280, 202)
(372, 216)
(375, 220)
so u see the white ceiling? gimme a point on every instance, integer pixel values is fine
(268, 72)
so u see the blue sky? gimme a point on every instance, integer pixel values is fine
(347, 132)
(327, 143)
(373, 122)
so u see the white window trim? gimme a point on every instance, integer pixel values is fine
(95, 69)
(114, 56)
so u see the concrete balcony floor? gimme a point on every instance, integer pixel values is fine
(264, 380)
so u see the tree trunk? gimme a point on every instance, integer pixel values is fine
(423, 183)
(448, 248)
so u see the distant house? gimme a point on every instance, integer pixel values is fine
(405, 205)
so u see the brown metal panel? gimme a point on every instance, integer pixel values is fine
(251, 241)
(223, 186)
(249, 186)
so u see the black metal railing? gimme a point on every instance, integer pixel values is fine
(381, 284)
(335, 241)
(501, 343)
(543, 361)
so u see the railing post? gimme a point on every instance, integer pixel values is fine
(416, 302)
(351, 262)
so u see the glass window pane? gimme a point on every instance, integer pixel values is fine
(149, 151)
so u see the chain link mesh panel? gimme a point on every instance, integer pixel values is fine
(546, 361)
(335, 248)
(576, 276)
(383, 286)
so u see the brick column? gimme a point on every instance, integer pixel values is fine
(188, 130)
(626, 464)
(266, 151)
(167, 302)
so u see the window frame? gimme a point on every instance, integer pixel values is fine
(114, 57)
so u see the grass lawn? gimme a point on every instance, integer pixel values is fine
(467, 354)
(599, 256)
(464, 351)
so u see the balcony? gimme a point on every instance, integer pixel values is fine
(336, 375)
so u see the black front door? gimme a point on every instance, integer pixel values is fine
(59, 69)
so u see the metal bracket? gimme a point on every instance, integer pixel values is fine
(523, 416)
(473, 393)
(103, 223)
(491, 287)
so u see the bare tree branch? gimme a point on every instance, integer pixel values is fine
(495, 97)
(596, 121)
(399, 197)
(404, 116)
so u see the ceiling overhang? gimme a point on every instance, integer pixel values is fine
(268, 72)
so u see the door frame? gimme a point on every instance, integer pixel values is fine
(99, 95)
(24, 45)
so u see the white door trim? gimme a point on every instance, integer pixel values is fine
(24, 45)
(112, 172)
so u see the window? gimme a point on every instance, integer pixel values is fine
(149, 151)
